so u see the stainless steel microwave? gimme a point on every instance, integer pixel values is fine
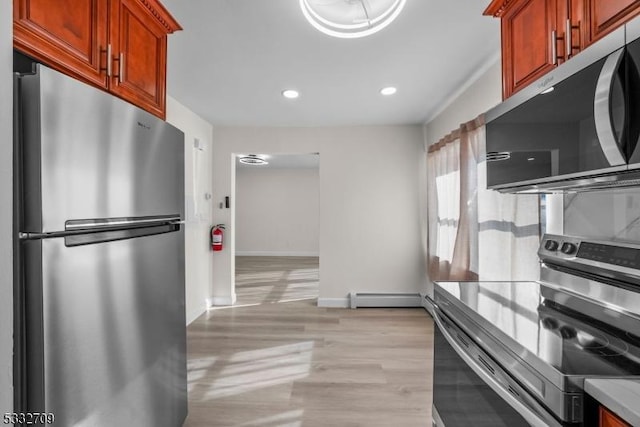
(576, 128)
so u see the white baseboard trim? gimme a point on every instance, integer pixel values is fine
(333, 302)
(195, 313)
(215, 301)
(277, 253)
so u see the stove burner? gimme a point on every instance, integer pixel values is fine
(589, 342)
(594, 343)
(592, 340)
(580, 340)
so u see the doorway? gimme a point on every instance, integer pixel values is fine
(276, 228)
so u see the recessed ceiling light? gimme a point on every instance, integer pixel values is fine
(390, 90)
(290, 93)
(252, 159)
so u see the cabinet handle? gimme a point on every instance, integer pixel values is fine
(108, 55)
(554, 48)
(120, 74)
(570, 45)
(567, 40)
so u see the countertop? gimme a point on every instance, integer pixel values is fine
(620, 396)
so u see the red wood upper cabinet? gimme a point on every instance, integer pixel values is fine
(609, 419)
(117, 45)
(537, 35)
(139, 43)
(529, 41)
(69, 35)
(607, 15)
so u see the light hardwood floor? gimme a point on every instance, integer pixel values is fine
(276, 359)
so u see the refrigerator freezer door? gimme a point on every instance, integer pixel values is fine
(106, 331)
(89, 155)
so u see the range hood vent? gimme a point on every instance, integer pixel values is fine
(577, 185)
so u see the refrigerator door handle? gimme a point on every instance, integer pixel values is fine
(122, 234)
(89, 225)
(102, 235)
(105, 225)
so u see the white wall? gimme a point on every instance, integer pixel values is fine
(6, 250)
(483, 92)
(198, 163)
(369, 204)
(277, 211)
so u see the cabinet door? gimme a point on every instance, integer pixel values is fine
(607, 15)
(527, 43)
(609, 419)
(69, 35)
(139, 56)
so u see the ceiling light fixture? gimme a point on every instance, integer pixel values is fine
(351, 18)
(253, 159)
(548, 90)
(290, 93)
(389, 90)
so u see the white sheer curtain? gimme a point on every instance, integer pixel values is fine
(509, 232)
(452, 206)
(444, 178)
(475, 233)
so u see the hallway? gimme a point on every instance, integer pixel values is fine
(268, 279)
(276, 359)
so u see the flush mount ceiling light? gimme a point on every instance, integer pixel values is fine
(351, 18)
(389, 90)
(290, 93)
(253, 159)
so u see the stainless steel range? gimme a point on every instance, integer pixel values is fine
(518, 353)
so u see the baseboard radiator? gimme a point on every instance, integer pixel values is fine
(358, 299)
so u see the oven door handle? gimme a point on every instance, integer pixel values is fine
(530, 414)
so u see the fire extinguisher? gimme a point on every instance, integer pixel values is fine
(216, 237)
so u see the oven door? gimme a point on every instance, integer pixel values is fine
(470, 389)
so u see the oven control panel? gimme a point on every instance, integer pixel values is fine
(564, 248)
(622, 256)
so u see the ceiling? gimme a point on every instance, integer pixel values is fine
(235, 57)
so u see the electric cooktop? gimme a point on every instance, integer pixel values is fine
(542, 332)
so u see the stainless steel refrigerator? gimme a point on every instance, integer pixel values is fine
(100, 305)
